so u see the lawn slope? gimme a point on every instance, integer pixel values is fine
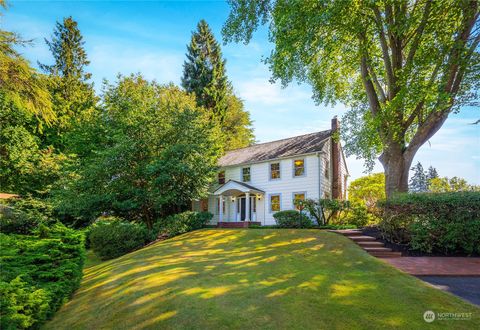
(256, 278)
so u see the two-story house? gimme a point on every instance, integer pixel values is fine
(259, 180)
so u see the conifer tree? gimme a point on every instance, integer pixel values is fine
(72, 92)
(418, 182)
(204, 72)
(432, 173)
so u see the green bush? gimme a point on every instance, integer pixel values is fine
(112, 237)
(23, 216)
(182, 223)
(292, 219)
(357, 215)
(435, 223)
(38, 274)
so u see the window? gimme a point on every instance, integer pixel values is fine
(298, 197)
(299, 167)
(221, 177)
(274, 203)
(218, 206)
(274, 171)
(246, 174)
(327, 169)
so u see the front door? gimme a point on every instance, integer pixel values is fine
(242, 208)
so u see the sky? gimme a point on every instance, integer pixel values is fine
(150, 37)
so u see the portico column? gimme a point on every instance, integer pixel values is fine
(220, 209)
(247, 206)
(235, 211)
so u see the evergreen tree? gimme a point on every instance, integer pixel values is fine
(204, 72)
(432, 173)
(418, 182)
(72, 93)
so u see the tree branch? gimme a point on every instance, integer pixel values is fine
(418, 33)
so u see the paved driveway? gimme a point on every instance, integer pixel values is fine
(466, 287)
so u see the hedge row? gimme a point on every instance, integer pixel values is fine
(444, 223)
(39, 273)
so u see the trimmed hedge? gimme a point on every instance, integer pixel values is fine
(113, 237)
(39, 273)
(182, 223)
(292, 219)
(23, 216)
(444, 223)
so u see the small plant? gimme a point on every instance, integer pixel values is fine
(292, 219)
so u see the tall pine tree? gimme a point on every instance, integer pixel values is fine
(431, 173)
(204, 72)
(418, 182)
(72, 92)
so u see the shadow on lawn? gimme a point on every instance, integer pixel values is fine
(246, 279)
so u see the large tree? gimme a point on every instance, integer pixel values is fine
(73, 94)
(204, 72)
(402, 66)
(158, 152)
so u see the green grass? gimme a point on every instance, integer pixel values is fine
(245, 279)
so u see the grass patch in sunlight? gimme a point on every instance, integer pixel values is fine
(245, 279)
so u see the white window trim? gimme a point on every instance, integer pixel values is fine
(270, 202)
(241, 173)
(270, 171)
(304, 167)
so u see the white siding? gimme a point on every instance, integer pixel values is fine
(285, 186)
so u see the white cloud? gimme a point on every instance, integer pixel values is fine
(261, 91)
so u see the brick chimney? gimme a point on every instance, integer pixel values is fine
(335, 159)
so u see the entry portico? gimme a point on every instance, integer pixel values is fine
(239, 201)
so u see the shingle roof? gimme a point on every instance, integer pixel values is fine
(297, 145)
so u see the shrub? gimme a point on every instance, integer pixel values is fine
(23, 216)
(292, 219)
(38, 275)
(182, 223)
(112, 237)
(441, 223)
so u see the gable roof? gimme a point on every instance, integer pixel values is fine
(236, 185)
(297, 145)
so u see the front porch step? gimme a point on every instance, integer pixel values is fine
(362, 238)
(370, 244)
(239, 224)
(377, 249)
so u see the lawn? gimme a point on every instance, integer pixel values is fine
(255, 278)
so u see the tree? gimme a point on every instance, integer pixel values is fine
(19, 82)
(367, 190)
(402, 66)
(237, 126)
(204, 72)
(418, 182)
(71, 91)
(432, 173)
(159, 152)
(455, 184)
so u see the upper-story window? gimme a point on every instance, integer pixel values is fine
(274, 171)
(246, 174)
(327, 169)
(299, 167)
(221, 177)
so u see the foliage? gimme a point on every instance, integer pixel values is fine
(431, 173)
(204, 72)
(402, 67)
(38, 275)
(20, 84)
(237, 127)
(418, 182)
(71, 92)
(112, 237)
(23, 216)
(442, 185)
(292, 219)
(367, 190)
(182, 223)
(357, 215)
(442, 223)
(159, 153)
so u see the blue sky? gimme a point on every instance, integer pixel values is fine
(150, 37)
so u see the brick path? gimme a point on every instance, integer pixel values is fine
(439, 266)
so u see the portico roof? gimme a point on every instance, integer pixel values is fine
(233, 187)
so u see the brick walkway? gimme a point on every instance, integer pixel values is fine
(439, 266)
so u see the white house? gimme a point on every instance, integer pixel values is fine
(257, 181)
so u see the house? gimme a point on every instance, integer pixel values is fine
(259, 180)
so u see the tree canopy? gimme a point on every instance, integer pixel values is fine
(401, 66)
(367, 190)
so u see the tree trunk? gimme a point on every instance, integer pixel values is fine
(396, 166)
